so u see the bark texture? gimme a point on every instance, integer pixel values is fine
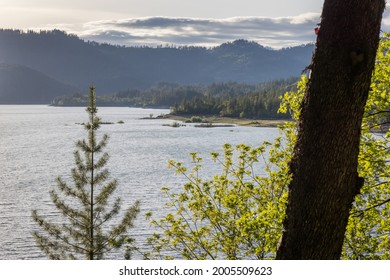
(324, 167)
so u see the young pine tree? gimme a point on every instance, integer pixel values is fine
(86, 209)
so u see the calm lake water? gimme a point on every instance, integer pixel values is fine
(37, 144)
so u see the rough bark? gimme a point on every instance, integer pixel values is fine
(324, 166)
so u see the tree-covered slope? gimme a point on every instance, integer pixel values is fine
(73, 61)
(23, 85)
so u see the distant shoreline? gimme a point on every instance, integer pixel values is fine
(228, 120)
(208, 119)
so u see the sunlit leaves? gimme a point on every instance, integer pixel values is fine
(238, 213)
(368, 232)
(233, 215)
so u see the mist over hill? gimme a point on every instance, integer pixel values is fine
(36, 66)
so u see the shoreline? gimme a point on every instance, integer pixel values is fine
(229, 120)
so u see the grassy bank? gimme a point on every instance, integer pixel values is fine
(235, 121)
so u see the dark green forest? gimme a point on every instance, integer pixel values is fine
(230, 99)
(68, 64)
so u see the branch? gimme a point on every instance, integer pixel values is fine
(377, 113)
(374, 206)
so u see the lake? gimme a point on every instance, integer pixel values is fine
(37, 144)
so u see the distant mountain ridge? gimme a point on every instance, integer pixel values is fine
(23, 85)
(73, 64)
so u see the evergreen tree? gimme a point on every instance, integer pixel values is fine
(85, 234)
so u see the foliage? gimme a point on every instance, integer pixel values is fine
(368, 232)
(85, 234)
(228, 216)
(238, 213)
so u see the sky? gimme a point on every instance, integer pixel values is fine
(275, 23)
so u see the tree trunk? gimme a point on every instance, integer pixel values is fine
(324, 166)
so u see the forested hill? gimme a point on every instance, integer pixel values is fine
(23, 85)
(77, 63)
(231, 99)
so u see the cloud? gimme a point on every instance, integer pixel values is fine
(271, 32)
(386, 19)
(153, 31)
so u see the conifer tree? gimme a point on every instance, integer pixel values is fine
(86, 209)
